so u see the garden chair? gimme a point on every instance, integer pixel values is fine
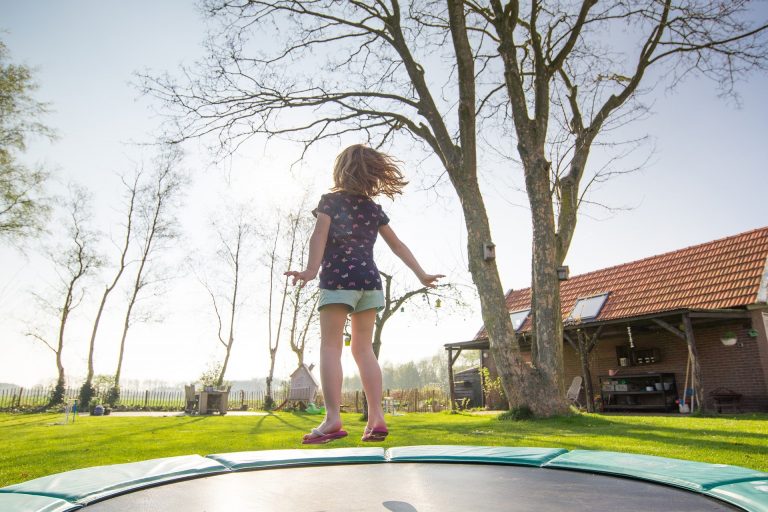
(192, 399)
(574, 392)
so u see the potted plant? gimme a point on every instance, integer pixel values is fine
(728, 338)
(209, 378)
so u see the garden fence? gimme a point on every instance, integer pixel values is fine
(397, 400)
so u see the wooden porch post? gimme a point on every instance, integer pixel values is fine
(583, 347)
(698, 383)
(451, 387)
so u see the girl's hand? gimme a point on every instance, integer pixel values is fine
(302, 277)
(428, 280)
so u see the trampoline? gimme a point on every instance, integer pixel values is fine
(400, 479)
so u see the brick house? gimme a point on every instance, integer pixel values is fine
(631, 327)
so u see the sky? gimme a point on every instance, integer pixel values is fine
(704, 180)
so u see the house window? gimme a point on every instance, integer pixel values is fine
(587, 308)
(518, 318)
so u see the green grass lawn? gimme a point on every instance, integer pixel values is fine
(33, 445)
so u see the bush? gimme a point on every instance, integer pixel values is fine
(87, 392)
(520, 413)
(57, 395)
(113, 396)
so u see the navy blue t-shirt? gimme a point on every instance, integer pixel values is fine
(348, 257)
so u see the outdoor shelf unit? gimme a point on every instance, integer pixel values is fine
(630, 391)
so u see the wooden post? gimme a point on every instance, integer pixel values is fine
(696, 379)
(146, 398)
(451, 387)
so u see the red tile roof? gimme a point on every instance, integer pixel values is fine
(726, 273)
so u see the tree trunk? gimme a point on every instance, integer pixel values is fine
(220, 379)
(58, 393)
(548, 324)
(522, 384)
(233, 311)
(89, 375)
(586, 374)
(126, 325)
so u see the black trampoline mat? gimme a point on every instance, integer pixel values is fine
(411, 487)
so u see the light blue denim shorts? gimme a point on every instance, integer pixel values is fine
(357, 300)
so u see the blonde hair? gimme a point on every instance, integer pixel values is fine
(364, 171)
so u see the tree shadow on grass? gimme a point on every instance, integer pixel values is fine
(306, 419)
(633, 435)
(29, 419)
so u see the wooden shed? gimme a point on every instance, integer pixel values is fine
(468, 386)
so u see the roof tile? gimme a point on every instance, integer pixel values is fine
(721, 274)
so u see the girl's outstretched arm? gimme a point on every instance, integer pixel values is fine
(316, 250)
(404, 253)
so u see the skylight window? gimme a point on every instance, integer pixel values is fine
(587, 308)
(518, 318)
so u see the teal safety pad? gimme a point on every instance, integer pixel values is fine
(485, 454)
(695, 476)
(751, 496)
(89, 484)
(298, 457)
(11, 502)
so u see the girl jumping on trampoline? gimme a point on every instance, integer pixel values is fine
(341, 248)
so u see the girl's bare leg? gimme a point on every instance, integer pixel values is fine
(332, 320)
(368, 365)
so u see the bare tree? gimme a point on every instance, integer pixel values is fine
(131, 189)
(157, 227)
(74, 262)
(304, 305)
(443, 295)
(374, 82)
(234, 243)
(304, 299)
(279, 262)
(394, 302)
(556, 56)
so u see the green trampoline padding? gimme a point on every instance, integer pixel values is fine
(482, 454)
(89, 484)
(30, 503)
(694, 476)
(298, 457)
(64, 492)
(752, 496)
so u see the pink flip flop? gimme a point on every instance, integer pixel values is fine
(323, 438)
(375, 435)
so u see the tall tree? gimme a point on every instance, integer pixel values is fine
(373, 80)
(157, 227)
(557, 69)
(23, 205)
(281, 256)
(131, 189)
(234, 243)
(74, 261)
(303, 299)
